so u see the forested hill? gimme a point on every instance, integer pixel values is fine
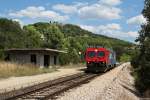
(58, 36)
(74, 30)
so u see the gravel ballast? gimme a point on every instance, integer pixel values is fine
(116, 84)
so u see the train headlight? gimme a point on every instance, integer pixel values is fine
(96, 50)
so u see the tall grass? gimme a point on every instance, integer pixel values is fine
(9, 69)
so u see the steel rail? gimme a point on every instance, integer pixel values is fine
(41, 87)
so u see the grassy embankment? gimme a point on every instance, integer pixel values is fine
(8, 69)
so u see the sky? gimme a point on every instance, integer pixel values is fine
(114, 18)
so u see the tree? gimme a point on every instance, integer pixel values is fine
(52, 36)
(73, 48)
(125, 58)
(33, 39)
(56, 37)
(11, 34)
(141, 64)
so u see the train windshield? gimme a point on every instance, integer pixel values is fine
(101, 54)
(91, 54)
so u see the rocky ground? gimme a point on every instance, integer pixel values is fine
(116, 84)
(122, 88)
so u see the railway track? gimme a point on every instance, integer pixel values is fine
(48, 90)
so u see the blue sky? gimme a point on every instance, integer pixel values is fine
(115, 18)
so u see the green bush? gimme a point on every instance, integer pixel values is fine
(125, 58)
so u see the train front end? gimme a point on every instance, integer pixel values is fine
(96, 59)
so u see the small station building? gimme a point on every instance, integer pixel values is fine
(42, 57)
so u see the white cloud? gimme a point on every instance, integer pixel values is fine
(110, 2)
(111, 30)
(38, 12)
(132, 34)
(68, 9)
(112, 26)
(137, 20)
(19, 21)
(88, 27)
(102, 28)
(99, 11)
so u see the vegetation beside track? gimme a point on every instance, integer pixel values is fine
(141, 60)
(8, 69)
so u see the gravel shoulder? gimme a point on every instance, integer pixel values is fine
(19, 82)
(122, 88)
(116, 84)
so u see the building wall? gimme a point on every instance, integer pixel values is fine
(57, 60)
(51, 60)
(40, 60)
(26, 58)
(20, 58)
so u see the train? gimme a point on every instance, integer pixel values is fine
(99, 59)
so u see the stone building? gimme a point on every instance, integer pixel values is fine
(42, 57)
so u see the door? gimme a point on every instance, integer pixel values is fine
(33, 59)
(55, 60)
(46, 60)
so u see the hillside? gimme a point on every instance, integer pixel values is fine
(58, 36)
(76, 31)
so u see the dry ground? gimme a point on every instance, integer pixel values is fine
(28, 77)
(116, 84)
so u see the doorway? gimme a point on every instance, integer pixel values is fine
(46, 60)
(55, 60)
(33, 59)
